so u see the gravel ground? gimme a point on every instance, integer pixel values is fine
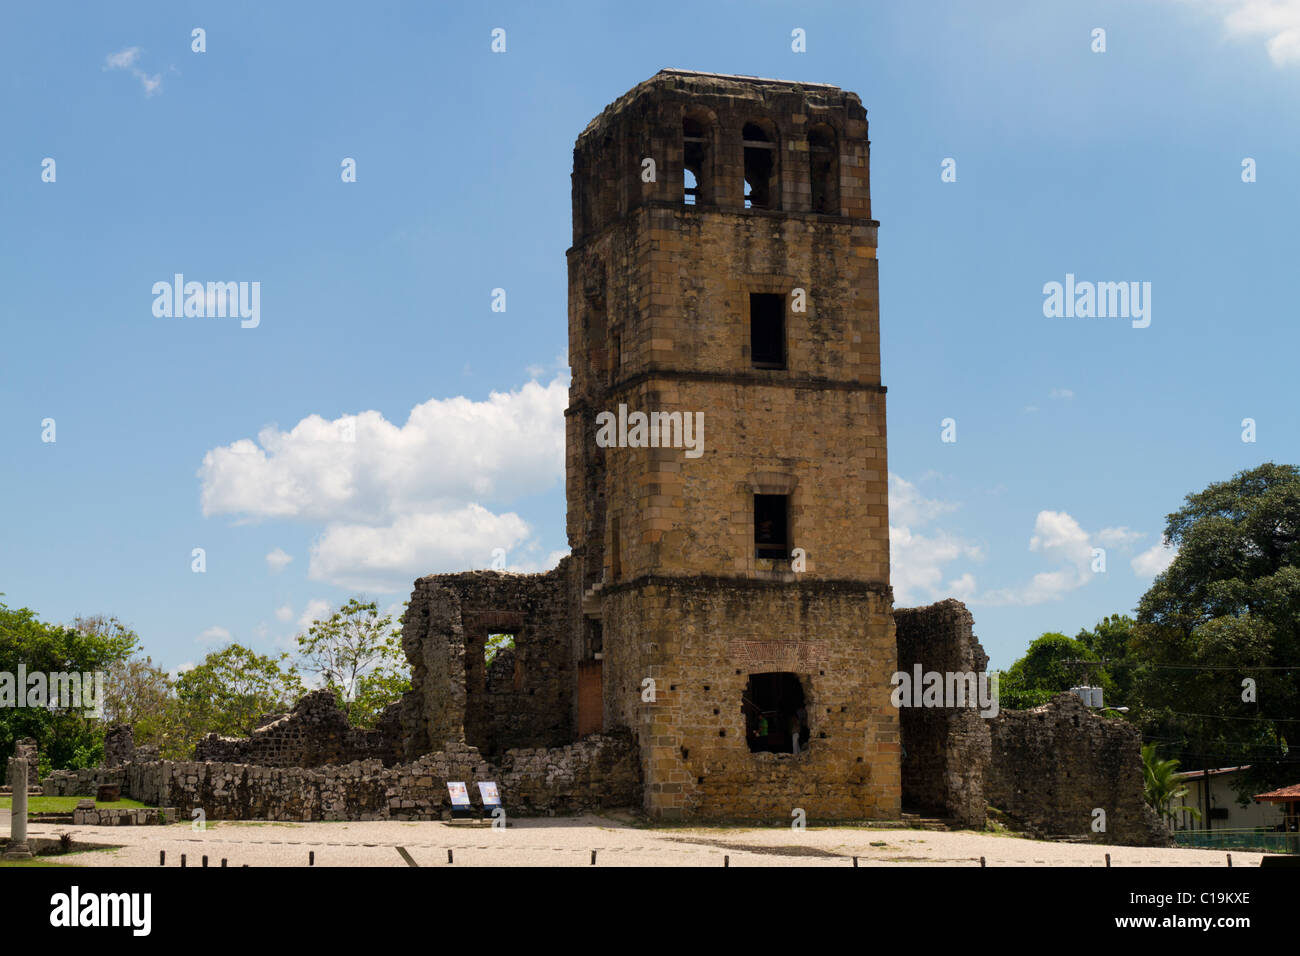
(569, 841)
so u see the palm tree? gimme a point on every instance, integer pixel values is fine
(1162, 785)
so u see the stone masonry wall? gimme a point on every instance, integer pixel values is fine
(452, 698)
(315, 732)
(839, 643)
(946, 751)
(1054, 765)
(25, 748)
(119, 745)
(599, 772)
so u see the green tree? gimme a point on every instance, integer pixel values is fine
(1224, 620)
(496, 643)
(1109, 640)
(67, 737)
(1046, 670)
(1162, 785)
(358, 654)
(142, 695)
(228, 694)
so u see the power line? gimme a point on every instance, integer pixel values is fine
(1274, 720)
(1109, 663)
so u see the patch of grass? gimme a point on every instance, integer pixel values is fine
(35, 861)
(68, 804)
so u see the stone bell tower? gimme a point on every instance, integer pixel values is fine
(731, 546)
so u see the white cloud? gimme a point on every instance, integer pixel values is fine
(449, 450)
(963, 587)
(213, 635)
(278, 560)
(907, 506)
(1154, 560)
(917, 560)
(122, 60)
(1278, 21)
(399, 502)
(127, 60)
(1118, 537)
(284, 613)
(1061, 393)
(316, 609)
(389, 558)
(1060, 539)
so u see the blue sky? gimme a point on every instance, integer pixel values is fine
(181, 433)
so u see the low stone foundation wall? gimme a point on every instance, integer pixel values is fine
(124, 817)
(597, 772)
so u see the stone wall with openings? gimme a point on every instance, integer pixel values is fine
(700, 640)
(527, 699)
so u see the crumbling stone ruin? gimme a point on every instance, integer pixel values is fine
(525, 699)
(946, 749)
(314, 733)
(727, 602)
(1054, 766)
(721, 641)
(25, 748)
(119, 745)
(597, 773)
(1047, 769)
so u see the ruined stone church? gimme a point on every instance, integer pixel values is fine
(730, 609)
(721, 643)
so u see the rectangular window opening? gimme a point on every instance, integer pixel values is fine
(694, 159)
(759, 163)
(766, 330)
(776, 715)
(772, 526)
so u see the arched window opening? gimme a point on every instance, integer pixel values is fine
(695, 159)
(823, 170)
(760, 166)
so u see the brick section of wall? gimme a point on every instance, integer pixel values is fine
(527, 700)
(946, 750)
(1054, 764)
(599, 772)
(314, 733)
